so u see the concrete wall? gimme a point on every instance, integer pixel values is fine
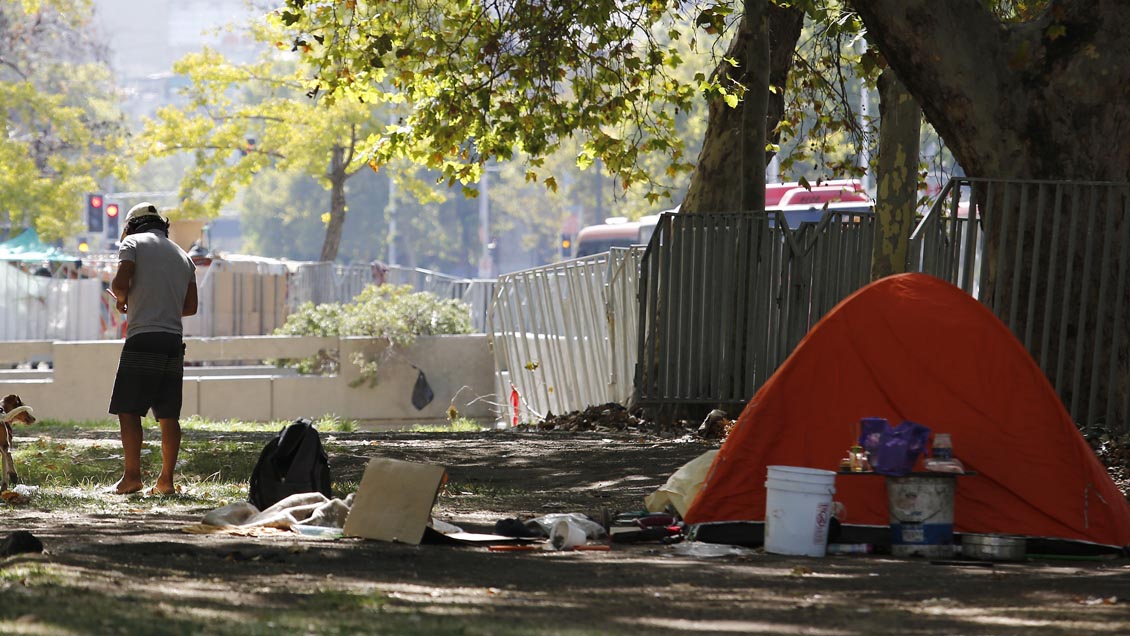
(459, 370)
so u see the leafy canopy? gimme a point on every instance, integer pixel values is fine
(61, 126)
(237, 120)
(490, 79)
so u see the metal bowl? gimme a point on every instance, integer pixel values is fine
(993, 547)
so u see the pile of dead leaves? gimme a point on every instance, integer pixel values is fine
(1113, 450)
(14, 498)
(612, 418)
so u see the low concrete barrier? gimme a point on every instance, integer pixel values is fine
(459, 369)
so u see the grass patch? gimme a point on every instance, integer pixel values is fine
(325, 424)
(71, 463)
(459, 425)
(68, 428)
(30, 574)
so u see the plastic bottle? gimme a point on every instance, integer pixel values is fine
(941, 458)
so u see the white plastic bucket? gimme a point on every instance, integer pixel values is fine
(798, 510)
(805, 475)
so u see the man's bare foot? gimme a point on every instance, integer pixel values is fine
(161, 488)
(126, 487)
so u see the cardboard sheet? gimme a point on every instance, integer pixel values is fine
(394, 500)
(469, 538)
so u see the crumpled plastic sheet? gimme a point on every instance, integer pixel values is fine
(704, 550)
(310, 514)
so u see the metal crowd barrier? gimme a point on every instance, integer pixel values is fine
(1066, 247)
(558, 336)
(622, 314)
(726, 297)
(43, 307)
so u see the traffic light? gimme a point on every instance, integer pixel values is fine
(566, 246)
(94, 212)
(112, 220)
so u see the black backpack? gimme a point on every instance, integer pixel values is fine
(291, 463)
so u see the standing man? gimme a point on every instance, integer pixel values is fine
(155, 287)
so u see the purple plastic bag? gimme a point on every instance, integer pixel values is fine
(893, 450)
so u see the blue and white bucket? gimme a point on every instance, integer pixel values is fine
(921, 509)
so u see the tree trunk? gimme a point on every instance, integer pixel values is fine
(337, 176)
(1044, 99)
(712, 185)
(755, 105)
(897, 176)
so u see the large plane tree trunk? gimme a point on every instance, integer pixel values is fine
(715, 185)
(1043, 99)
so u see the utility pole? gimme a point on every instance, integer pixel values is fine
(392, 238)
(864, 107)
(486, 266)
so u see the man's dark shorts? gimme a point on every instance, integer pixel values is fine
(150, 375)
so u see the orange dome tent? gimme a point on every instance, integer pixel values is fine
(914, 347)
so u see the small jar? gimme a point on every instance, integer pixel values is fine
(943, 447)
(858, 457)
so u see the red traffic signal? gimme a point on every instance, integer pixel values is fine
(112, 219)
(94, 213)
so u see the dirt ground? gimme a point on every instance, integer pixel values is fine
(130, 568)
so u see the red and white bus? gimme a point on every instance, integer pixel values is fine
(617, 231)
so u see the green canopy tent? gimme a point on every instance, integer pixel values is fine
(28, 247)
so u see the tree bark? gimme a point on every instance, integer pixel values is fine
(755, 105)
(900, 123)
(1043, 99)
(337, 175)
(712, 185)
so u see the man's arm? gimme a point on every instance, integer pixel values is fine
(190, 300)
(120, 285)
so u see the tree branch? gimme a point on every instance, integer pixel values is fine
(954, 58)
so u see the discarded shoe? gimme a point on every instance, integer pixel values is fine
(662, 534)
(515, 528)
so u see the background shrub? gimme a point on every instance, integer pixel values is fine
(392, 312)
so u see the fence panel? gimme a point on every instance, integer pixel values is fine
(1064, 249)
(239, 296)
(725, 298)
(560, 335)
(622, 315)
(35, 307)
